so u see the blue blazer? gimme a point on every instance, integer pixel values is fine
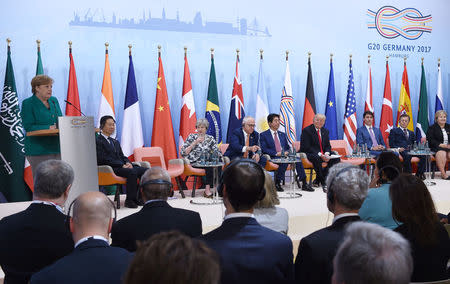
(363, 136)
(238, 142)
(94, 262)
(268, 144)
(397, 138)
(251, 253)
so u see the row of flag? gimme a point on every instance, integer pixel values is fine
(12, 152)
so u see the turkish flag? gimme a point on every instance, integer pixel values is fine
(386, 120)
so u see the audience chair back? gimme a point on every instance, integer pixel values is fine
(106, 176)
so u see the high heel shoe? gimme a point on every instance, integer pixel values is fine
(207, 196)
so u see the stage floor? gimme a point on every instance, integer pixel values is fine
(306, 214)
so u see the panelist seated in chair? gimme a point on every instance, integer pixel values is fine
(315, 143)
(245, 142)
(110, 153)
(438, 136)
(274, 143)
(199, 144)
(403, 139)
(370, 136)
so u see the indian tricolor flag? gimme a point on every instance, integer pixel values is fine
(107, 99)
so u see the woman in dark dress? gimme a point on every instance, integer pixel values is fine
(438, 136)
(430, 245)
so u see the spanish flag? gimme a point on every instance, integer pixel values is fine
(404, 104)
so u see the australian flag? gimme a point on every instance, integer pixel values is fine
(237, 112)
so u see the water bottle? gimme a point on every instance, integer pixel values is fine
(415, 146)
(354, 150)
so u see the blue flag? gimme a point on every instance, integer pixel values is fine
(237, 112)
(330, 109)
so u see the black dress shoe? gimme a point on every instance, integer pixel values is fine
(316, 183)
(306, 187)
(278, 187)
(421, 176)
(299, 185)
(324, 188)
(130, 204)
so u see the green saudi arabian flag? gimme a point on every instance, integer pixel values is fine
(422, 116)
(12, 152)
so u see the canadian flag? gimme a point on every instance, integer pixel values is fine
(188, 118)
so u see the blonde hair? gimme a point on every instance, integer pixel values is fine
(271, 197)
(39, 80)
(438, 113)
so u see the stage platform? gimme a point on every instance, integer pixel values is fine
(306, 214)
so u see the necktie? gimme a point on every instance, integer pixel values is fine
(247, 143)
(111, 142)
(405, 132)
(320, 141)
(277, 142)
(372, 136)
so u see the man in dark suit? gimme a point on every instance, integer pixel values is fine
(37, 236)
(245, 142)
(315, 143)
(95, 261)
(274, 143)
(347, 189)
(156, 215)
(249, 252)
(403, 139)
(369, 135)
(110, 153)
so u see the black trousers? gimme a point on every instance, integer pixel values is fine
(209, 177)
(321, 173)
(407, 163)
(132, 176)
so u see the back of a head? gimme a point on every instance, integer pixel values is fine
(347, 185)
(155, 184)
(389, 165)
(271, 197)
(412, 205)
(371, 254)
(51, 179)
(156, 258)
(92, 212)
(244, 184)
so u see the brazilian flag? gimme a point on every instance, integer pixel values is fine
(12, 152)
(212, 107)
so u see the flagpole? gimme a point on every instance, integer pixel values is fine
(261, 51)
(70, 47)
(439, 62)
(106, 47)
(309, 57)
(129, 49)
(212, 53)
(287, 55)
(237, 54)
(422, 60)
(185, 51)
(38, 42)
(350, 58)
(331, 57)
(404, 60)
(159, 51)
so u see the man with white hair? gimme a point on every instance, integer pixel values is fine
(347, 188)
(372, 254)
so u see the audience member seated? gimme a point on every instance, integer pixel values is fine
(266, 213)
(377, 207)
(274, 143)
(347, 187)
(156, 215)
(413, 206)
(172, 257)
(371, 254)
(369, 135)
(315, 143)
(110, 153)
(93, 260)
(245, 142)
(36, 237)
(249, 252)
(403, 139)
(199, 144)
(438, 136)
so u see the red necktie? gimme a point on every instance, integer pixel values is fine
(277, 142)
(320, 140)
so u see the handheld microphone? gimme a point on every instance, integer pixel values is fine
(75, 107)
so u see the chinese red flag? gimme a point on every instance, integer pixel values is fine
(73, 100)
(162, 135)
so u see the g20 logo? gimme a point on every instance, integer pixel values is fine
(391, 22)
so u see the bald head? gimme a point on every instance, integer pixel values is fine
(92, 213)
(160, 189)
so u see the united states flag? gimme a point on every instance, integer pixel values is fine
(350, 112)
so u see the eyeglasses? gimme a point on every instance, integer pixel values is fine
(251, 125)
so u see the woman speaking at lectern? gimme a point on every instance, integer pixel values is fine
(41, 111)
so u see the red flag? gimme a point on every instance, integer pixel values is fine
(310, 102)
(369, 95)
(386, 120)
(73, 100)
(162, 135)
(188, 117)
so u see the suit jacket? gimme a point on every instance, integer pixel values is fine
(31, 240)
(397, 138)
(95, 262)
(314, 261)
(268, 143)
(251, 253)
(238, 142)
(309, 141)
(435, 137)
(363, 136)
(108, 154)
(153, 218)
